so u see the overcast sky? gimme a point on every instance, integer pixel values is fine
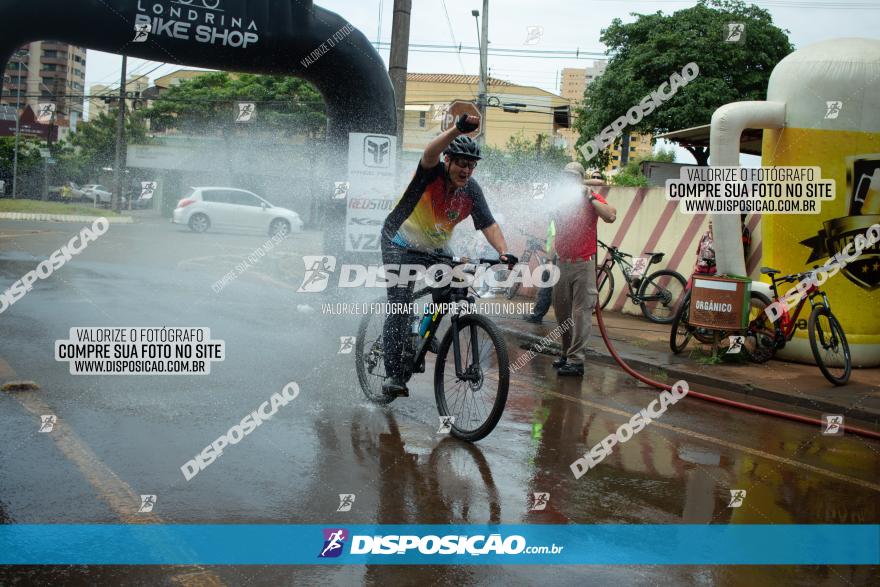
(567, 25)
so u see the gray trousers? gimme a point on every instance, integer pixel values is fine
(574, 297)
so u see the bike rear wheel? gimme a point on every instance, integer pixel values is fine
(369, 352)
(605, 286)
(760, 341)
(667, 288)
(681, 330)
(829, 346)
(476, 403)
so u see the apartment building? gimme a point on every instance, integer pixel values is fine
(574, 82)
(48, 71)
(101, 97)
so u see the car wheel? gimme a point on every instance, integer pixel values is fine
(279, 227)
(199, 223)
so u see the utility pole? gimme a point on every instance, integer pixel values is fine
(120, 131)
(397, 61)
(484, 50)
(17, 122)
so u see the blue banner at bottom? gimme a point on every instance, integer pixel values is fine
(246, 544)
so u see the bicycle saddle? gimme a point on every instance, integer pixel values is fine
(769, 271)
(656, 257)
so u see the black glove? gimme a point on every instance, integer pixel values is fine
(510, 259)
(465, 126)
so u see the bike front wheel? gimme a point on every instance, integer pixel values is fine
(476, 396)
(605, 286)
(829, 346)
(681, 330)
(664, 290)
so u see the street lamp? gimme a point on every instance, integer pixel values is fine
(21, 56)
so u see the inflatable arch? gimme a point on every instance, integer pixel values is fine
(255, 36)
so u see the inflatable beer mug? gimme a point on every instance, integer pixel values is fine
(831, 92)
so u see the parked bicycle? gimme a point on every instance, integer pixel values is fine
(827, 339)
(658, 294)
(763, 337)
(473, 388)
(534, 248)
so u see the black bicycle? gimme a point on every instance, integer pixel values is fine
(534, 248)
(473, 388)
(658, 294)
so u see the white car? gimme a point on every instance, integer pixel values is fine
(95, 191)
(230, 208)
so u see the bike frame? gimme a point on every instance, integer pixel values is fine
(619, 257)
(788, 320)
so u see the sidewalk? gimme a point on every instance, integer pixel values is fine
(776, 384)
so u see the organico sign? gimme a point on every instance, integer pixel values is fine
(203, 21)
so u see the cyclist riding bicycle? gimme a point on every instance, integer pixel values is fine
(440, 195)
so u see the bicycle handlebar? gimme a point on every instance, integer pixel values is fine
(458, 260)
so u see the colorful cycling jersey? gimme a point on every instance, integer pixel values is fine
(424, 216)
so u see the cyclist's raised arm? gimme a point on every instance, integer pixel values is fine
(431, 154)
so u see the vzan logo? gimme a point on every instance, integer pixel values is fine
(204, 21)
(376, 151)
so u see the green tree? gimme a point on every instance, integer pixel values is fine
(206, 104)
(81, 157)
(646, 52)
(631, 173)
(29, 160)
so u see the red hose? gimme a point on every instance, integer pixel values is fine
(721, 400)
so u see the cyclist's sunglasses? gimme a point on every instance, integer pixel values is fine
(467, 163)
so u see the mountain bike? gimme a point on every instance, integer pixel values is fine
(471, 372)
(658, 294)
(534, 247)
(827, 339)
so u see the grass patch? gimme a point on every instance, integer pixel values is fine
(40, 207)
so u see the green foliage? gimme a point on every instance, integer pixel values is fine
(28, 155)
(524, 160)
(631, 174)
(207, 103)
(646, 52)
(93, 146)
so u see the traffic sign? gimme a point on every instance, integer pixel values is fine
(456, 109)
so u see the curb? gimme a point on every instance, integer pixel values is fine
(63, 217)
(864, 417)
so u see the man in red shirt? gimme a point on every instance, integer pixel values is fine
(575, 294)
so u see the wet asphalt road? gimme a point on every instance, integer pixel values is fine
(122, 436)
